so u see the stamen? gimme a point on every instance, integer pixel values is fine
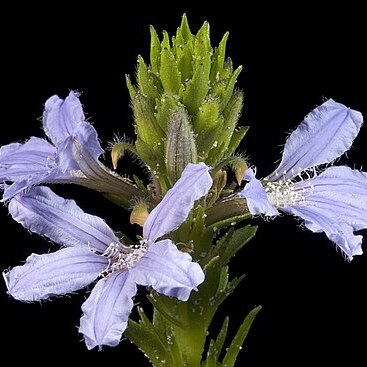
(121, 258)
(286, 192)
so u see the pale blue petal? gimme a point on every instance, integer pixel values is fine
(107, 310)
(168, 270)
(69, 158)
(36, 156)
(173, 210)
(256, 197)
(336, 204)
(61, 117)
(324, 135)
(319, 219)
(43, 212)
(99, 177)
(62, 272)
(47, 177)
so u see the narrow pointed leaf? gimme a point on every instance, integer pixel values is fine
(155, 50)
(239, 239)
(211, 355)
(237, 342)
(219, 342)
(149, 342)
(236, 139)
(219, 58)
(169, 74)
(148, 84)
(230, 87)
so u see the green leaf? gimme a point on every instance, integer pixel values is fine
(185, 61)
(215, 347)
(236, 139)
(223, 279)
(150, 155)
(155, 50)
(169, 74)
(146, 125)
(239, 238)
(231, 115)
(211, 355)
(197, 88)
(229, 89)
(237, 342)
(165, 106)
(165, 305)
(218, 59)
(232, 285)
(148, 82)
(131, 88)
(145, 337)
(207, 125)
(185, 29)
(222, 335)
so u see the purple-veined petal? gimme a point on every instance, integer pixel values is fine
(42, 211)
(49, 176)
(99, 177)
(61, 117)
(36, 156)
(336, 204)
(256, 197)
(168, 270)
(87, 136)
(324, 135)
(62, 272)
(173, 210)
(107, 310)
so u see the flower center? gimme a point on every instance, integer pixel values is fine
(123, 258)
(287, 192)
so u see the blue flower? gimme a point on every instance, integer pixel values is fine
(333, 201)
(70, 156)
(93, 251)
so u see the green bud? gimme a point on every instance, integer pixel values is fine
(180, 144)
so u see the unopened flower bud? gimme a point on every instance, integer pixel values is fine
(180, 144)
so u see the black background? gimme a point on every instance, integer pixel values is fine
(314, 309)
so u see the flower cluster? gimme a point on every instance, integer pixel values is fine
(191, 210)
